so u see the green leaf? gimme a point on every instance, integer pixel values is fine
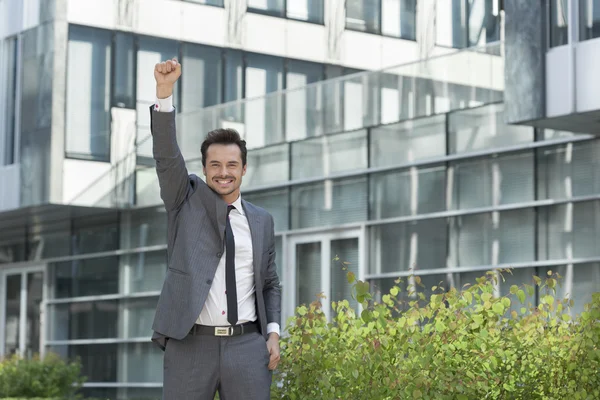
(394, 291)
(302, 310)
(486, 297)
(351, 277)
(440, 327)
(498, 308)
(417, 394)
(521, 296)
(514, 289)
(548, 299)
(468, 297)
(355, 374)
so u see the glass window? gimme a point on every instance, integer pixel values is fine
(218, 3)
(122, 393)
(492, 238)
(402, 246)
(273, 7)
(276, 202)
(151, 51)
(569, 170)
(329, 155)
(303, 106)
(408, 142)
(268, 165)
(408, 192)
(569, 230)
(143, 227)
(398, 18)
(91, 277)
(127, 318)
(95, 234)
(124, 76)
(12, 325)
(328, 203)
(363, 15)
(488, 182)
(559, 22)
(144, 272)
(589, 19)
(484, 22)
(88, 93)
(451, 23)
(10, 94)
(116, 362)
(264, 122)
(483, 128)
(202, 77)
(305, 10)
(579, 283)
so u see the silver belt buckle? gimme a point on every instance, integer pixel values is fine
(224, 331)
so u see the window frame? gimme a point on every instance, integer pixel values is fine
(380, 24)
(284, 13)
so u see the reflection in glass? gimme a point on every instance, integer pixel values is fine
(305, 10)
(124, 81)
(579, 282)
(451, 23)
(10, 66)
(202, 76)
(408, 192)
(304, 105)
(275, 7)
(328, 203)
(346, 251)
(276, 202)
(35, 286)
(12, 301)
(559, 22)
(408, 245)
(308, 272)
(484, 22)
(268, 165)
(589, 19)
(492, 238)
(363, 15)
(328, 155)
(88, 94)
(86, 277)
(398, 18)
(145, 272)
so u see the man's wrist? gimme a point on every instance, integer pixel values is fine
(164, 91)
(274, 335)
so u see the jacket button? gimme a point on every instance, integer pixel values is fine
(219, 254)
(208, 281)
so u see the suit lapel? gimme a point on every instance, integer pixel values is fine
(254, 224)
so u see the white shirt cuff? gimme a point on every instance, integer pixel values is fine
(164, 105)
(273, 327)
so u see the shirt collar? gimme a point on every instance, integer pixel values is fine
(238, 205)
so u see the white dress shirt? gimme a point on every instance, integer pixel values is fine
(214, 312)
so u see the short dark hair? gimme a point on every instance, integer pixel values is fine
(224, 136)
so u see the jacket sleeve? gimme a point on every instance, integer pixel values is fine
(173, 177)
(272, 286)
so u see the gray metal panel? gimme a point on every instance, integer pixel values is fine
(525, 51)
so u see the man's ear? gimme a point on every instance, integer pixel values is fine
(204, 170)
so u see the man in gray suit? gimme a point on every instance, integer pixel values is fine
(217, 317)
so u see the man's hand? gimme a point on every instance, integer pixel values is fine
(273, 347)
(166, 74)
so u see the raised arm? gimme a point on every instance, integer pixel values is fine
(173, 176)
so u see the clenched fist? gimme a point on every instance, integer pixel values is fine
(166, 74)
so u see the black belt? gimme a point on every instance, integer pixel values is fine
(248, 327)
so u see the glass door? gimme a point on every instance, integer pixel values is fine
(319, 263)
(21, 315)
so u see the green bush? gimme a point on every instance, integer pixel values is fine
(47, 378)
(459, 344)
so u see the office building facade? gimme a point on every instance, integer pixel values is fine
(400, 136)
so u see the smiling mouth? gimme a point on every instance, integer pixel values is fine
(224, 181)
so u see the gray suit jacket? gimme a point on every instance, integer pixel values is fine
(195, 241)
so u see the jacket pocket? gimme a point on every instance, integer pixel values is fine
(176, 271)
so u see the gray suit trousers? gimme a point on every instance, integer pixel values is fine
(196, 367)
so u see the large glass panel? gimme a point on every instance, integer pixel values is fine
(128, 318)
(123, 393)
(360, 101)
(589, 19)
(276, 202)
(363, 15)
(487, 182)
(35, 287)
(12, 301)
(579, 282)
(308, 272)
(328, 155)
(268, 165)
(95, 234)
(451, 23)
(332, 202)
(304, 106)
(408, 192)
(346, 251)
(569, 170)
(398, 18)
(119, 362)
(559, 22)
(218, 3)
(9, 99)
(264, 74)
(483, 128)
(143, 272)
(124, 77)
(274, 7)
(492, 238)
(144, 227)
(484, 22)
(202, 76)
(151, 51)
(305, 10)
(408, 142)
(91, 277)
(569, 231)
(408, 245)
(88, 93)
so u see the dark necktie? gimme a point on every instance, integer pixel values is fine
(230, 282)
